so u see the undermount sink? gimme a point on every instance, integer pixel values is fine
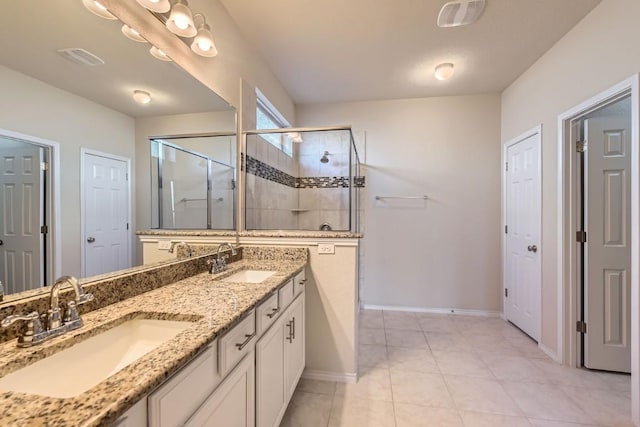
(76, 369)
(249, 276)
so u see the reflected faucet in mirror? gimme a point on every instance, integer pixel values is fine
(174, 244)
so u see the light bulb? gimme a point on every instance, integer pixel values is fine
(203, 44)
(181, 22)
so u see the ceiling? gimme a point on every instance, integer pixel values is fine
(30, 36)
(337, 50)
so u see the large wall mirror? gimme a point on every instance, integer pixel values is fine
(79, 155)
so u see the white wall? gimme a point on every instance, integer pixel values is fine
(444, 253)
(32, 107)
(599, 52)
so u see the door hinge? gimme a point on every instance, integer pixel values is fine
(506, 292)
(581, 237)
(506, 166)
(44, 166)
(126, 177)
(44, 229)
(581, 146)
(581, 327)
(127, 226)
(506, 229)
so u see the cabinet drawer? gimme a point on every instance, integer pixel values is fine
(267, 313)
(285, 295)
(298, 283)
(236, 343)
(174, 401)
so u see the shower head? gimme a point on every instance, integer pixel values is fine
(324, 158)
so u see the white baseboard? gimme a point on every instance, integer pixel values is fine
(464, 312)
(312, 374)
(552, 354)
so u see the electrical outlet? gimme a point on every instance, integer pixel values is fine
(326, 248)
(164, 244)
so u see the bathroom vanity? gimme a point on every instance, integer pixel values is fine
(237, 359)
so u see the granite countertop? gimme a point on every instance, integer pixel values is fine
(257, 233)
(214, 306)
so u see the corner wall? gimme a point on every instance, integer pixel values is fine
(599, 52)
(445, 252)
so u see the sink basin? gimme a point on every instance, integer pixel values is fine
(76, 369)
(250, 276)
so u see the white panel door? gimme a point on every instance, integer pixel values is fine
(608, 249)
(22, 215)
(522, 207)
(105, 211)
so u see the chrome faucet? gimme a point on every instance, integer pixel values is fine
(34, 333)
(219, 264)
(174, 244)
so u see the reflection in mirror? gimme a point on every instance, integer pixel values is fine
(193, 182)
(89, 110)
(26, 200)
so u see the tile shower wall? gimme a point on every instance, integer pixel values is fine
(299, 192)
(323, 187)
(270, 204)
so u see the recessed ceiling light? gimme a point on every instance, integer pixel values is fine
(141, 96)
(159, 54)
(98, 8)
(132, 34)
(444, 71)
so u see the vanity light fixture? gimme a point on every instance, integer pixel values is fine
(159, 54)
(180, 20)
(202, 43)
(444, 71)
(159, 6)
(98, 8)
(141, 96)
(132, 34)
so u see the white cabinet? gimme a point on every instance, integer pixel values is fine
(179, 397)
(136, 416)
(270, 395)
(232, 404)
(294, 336)
(279, 364)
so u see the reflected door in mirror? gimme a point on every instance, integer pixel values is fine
(21, 214)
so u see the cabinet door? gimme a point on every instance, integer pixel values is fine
(136, 416)
(270, 398)
(232, 404)
(294, 335)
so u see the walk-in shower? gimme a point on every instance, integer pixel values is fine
(302, 179)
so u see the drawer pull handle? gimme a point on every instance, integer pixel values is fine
(293, 333)
(244, 344)
(302, 282)
(290, 326)
(274, 311)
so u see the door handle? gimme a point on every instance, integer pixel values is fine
(1, 243)
(91, 239)
(532, 248)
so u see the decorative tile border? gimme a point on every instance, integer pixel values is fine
(270, 173)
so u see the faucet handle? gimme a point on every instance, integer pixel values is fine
(84, 298)
(31, 333)
(10, 320)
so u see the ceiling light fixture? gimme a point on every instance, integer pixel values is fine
(159, 54)
(460, 12)
(141, 96)
(132, 34)
(444, 71)
(180, 20)
(203, 43)
(159, 6)
(98, 8)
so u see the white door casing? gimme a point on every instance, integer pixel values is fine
(21, 187)
(105, 213)
(522, 249)
(607, 273)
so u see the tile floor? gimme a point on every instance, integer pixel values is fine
(443, 371)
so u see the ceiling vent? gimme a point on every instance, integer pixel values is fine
(461, 12)
(80, 56)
